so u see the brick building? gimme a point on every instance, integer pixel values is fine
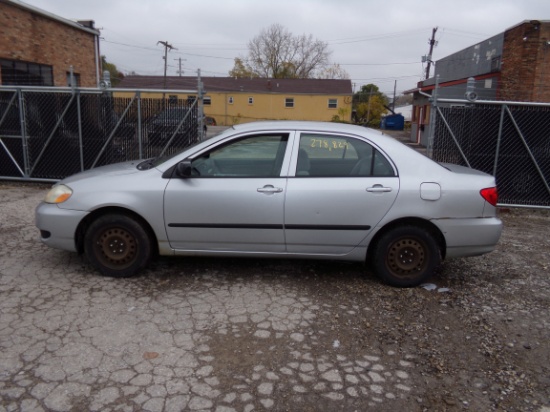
(510, 66)
(525, 71)
(38, 48)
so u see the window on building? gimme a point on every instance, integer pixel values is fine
(289, 102)
(251, 100)
(332, 103)
(173, 99)
(207, 100)
(230, 100)
(191, 99)
(25, 74)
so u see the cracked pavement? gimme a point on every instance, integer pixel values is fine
(197, 334)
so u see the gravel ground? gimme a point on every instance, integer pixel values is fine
(242, 335)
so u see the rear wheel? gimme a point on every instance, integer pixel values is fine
(117, 245)
(406, 256)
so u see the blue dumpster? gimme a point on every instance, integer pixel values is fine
(393, 122)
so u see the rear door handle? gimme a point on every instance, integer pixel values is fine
(269, 189)
(379, 189)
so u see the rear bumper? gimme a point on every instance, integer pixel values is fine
(58, 226)
(470, 237)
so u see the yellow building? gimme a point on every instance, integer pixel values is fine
(230, 101)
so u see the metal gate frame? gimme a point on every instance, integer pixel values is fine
(530, 163)
(14, 117)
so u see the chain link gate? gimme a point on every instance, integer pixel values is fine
(510, 140)
(47, 134)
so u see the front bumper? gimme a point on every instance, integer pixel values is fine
(58, 226)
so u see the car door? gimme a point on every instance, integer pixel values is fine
(234, 199)
(341, 189)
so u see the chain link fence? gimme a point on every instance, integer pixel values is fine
(47, 134)
(509, 140)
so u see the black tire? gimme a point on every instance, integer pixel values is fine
(117, 246)
(406, 256)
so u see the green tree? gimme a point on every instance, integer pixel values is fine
(240, 70)
(371, 111)
(342, 116)
(116, 75)
(369, 105)
(366, 92)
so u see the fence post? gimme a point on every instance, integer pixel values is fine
(433, 109)
(24, 145)
(139, 134)
(200, 108)
(80, 140)
(499, 138)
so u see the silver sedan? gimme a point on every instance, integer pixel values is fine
(278, 189)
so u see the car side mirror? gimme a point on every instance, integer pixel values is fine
(183, 169)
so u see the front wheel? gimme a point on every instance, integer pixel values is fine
(117, 245)
(406, 256)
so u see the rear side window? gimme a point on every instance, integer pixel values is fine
(339, 156)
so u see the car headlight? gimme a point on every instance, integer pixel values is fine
(58, 194)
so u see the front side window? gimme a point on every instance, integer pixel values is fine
(230, 100)
(250, 100)
(207, 101)
(339, 156)
(254, 156)
(332, 103)
(289, 102)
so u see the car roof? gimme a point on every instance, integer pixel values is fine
(322, 127)
(300, 125)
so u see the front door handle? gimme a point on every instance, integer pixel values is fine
(379, 189)
(269, 189)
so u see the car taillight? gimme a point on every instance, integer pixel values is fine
(490, 194)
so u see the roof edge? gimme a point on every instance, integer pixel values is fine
(48, 15)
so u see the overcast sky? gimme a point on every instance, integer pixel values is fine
(375, 41)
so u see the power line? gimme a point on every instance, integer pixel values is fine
(375, 64)
(373, 37)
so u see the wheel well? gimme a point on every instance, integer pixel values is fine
(85, 223)
(411, 221)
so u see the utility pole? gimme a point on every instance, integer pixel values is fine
(432, 43)
(180, 71)
(166, 47)
(394, 91)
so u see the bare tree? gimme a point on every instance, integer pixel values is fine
(277, 53)
(333, 72)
